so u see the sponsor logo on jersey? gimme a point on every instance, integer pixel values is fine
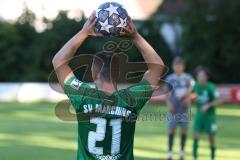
(75, 84)
(112, 110)
(108, 157)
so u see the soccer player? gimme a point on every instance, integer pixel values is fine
(207, 98)
(178, 104)
(106, 134)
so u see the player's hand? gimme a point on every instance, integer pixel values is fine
(130, 31)
(192, 97)
(185, 102)
(205, 107)
(89, 26)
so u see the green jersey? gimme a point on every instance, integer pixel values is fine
(205, 121)
(205, 94)
(106, 123)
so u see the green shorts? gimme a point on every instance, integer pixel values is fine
(205, 123)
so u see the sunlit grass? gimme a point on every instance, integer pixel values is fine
(32, 131)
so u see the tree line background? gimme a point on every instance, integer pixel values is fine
(210, 37)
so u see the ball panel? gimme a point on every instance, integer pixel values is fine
(114, 20)
(115, 4)
(122, 12)
(104, 5)
(102, 15)
(105, 32)
(115, 31)
(98, 26)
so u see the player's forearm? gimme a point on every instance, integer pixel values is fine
(215, 103)
(168, 101)
(69, 49)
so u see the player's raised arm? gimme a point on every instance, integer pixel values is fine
(153, 60)
(64, 55)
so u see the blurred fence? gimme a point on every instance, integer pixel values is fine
(33, 92)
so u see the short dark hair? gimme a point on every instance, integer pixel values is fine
(106, 64)
(178, 60)
(202, 69)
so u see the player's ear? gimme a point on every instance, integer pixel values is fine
(94, 76)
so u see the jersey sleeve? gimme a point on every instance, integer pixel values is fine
(75, 90)
(191, 83)
(194, 88)
(214, 93)
(141, 92)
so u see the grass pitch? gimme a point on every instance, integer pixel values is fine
(33, 132)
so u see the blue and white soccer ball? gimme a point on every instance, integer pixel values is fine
(111, 18)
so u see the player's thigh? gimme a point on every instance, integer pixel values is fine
(184, 123)
(184, 127)
(198, 124)
(210, 125)
(171, 126)
(171, 121)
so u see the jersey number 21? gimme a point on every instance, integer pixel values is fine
(99, 135)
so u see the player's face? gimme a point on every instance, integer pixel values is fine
(178, 68)
(202, 77)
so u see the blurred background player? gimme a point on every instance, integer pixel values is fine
(207, 98)
(178, 104)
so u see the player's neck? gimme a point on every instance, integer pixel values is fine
(203, 83)
(106, 87)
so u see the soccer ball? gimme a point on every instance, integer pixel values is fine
(111, 18)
